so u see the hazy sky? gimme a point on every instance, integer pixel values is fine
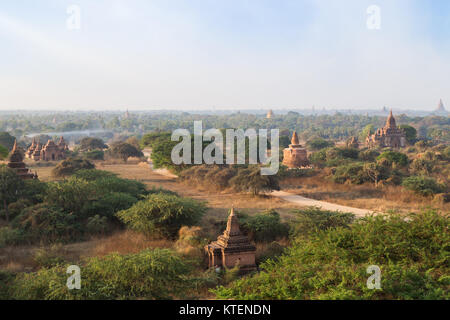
(223, 54)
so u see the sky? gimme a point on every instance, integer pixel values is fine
(223, 54)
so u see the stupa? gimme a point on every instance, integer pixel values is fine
(295, 156)
(232, 248)
(16, 163)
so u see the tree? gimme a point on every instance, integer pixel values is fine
(125, 150)
(7, 140)
(250, 179)
(151, 139)
(89, 144)
(69, 166)
(394, 157)
(3, 152)
(368, 130)
(410, 132)
(162, 214)
(375, 172)
(10, 188)
(422, 185)
(319, 143)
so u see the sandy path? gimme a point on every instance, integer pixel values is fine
(302, 201)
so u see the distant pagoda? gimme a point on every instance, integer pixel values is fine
(389, 136)
(440, 109)
(269, 114)
(295, 156)
(232, 248)
(16, 163)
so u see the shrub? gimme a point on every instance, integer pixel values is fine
(368, 155)
(264, 227)
(114, 184)
(421, 166)
(313, 220)
(97, 224)
(352, 172)
(422, 185)
(10, 236)
(125, 150)
(49, 257)
(251, 180)
(412, 254)
(94, 155)
(3, 152)
(93, 174)
(162, 214)
(150, 274)
(47, 223)
(70, 166)
(72, 195)
(90, 144)
(109, 204)
(319, 143)
(394, 157)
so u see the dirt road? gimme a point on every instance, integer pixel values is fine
(302, 201)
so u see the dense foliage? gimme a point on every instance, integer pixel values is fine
(150, 274)
(412, 254)
(162, 214)
(69, 166)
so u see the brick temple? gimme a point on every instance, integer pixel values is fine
(295, 156)
(389, 136)
(232, 248)
(48, 152)
(16, 163)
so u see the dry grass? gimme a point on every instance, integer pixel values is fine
(365, 196)
(127, 242)
(22, 258)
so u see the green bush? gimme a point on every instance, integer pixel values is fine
(264, 227)
(150, 274)
(10, 236)
(368, 155)
(313, 220)
(93, 174)
(47, 223)
(422, 185)
(394, 157)
(97, 224)
(94, 155)
(109, 204)
(162, 214)
(353, 172)
(412, 254)
(422, 166)
(251, 180)
(3, 152)
(114, 184)
(70, 166)
(319, 143)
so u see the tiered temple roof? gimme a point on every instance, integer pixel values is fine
(388, 136)
(232, 247)
(16, 163)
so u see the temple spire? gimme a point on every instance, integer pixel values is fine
(294, 139)
(390, 122)
(14, 149)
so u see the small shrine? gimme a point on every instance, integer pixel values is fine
(232, 248)
(16, 163)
